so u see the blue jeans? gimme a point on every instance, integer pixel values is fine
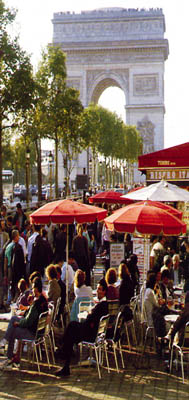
(13, 333)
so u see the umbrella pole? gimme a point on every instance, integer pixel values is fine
(67, 252)
(146, 267)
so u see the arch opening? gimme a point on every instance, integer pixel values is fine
(113, 98)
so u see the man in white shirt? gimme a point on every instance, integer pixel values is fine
(157, 247)
(31, 241)
(71, 273)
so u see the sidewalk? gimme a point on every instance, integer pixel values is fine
(143, 378)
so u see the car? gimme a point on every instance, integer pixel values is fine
(120, 190)
(23, 195)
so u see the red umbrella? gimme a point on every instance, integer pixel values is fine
(145, 219)
(67, 212)
(109, 197)
(164, 206)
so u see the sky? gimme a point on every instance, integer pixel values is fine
(34, 26)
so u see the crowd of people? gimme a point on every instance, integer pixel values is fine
(33, 254)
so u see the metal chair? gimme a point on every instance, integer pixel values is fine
(149, 330)
(115, 342)
(48, 330)
(38, 341)
(181, 351)
(98, 344)
(54, 318)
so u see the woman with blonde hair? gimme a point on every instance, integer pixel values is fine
(80, 289)
(54, 291)
(111, 278)
(82, 292)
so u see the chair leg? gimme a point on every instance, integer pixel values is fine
(97, 361)
(171, 360)
(107, 359)
(46, 351)
(37, 358)
(115, 357)
(127, 335)
(121, 354)
(182, 365)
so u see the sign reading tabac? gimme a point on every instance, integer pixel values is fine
(168, 175)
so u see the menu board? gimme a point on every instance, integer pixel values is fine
(141, 247)
(117, 254)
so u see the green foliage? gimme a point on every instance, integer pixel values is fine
(17, 86)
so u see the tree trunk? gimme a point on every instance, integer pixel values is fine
(39, 173)
(56, 167)
(1, 166)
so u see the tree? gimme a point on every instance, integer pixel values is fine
(16, 80)
(61, 108)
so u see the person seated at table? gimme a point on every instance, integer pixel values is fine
(176, 332)
(22, 300)
(82, 293)
(23, 327)
(111, 278)
(54, 290)
(80, 288)
(126, 287)
(151, 301)
(85, 330)
(165, 289)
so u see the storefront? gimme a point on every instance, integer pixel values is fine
(171, 164)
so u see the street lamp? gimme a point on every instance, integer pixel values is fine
(91, 171)
(50, 173)
(113, 175)
(27, 176)
(100, 173)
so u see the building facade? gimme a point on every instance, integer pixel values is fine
(118, 47)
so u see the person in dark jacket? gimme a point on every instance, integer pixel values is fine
(19, 218)
(24, 327)
(80, 249)
(126, 288)
(176, 332)
(87, 330)
(60, 243)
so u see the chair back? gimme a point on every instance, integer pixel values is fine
(50, 317)
(41, 326)
(118, 327)
(56, 310)
(113, 309)
(102, 328)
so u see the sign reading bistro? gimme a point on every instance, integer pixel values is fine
(169, 175)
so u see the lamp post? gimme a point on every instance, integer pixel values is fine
(113, 175)
(50, 173)
(90, 173)
(27, 176)
(100, 174)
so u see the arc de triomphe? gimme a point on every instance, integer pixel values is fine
(118, 47)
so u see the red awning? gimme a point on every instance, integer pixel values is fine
(172, 157)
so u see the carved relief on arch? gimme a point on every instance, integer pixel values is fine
(146, 129)
(99, 80)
